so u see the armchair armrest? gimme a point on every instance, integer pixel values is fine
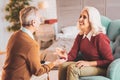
(113, 71)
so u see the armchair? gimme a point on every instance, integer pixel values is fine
(113, 32)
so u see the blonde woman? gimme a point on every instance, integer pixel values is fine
(93, 45)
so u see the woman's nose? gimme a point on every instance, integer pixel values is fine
(80, 19)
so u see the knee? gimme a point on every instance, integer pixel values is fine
(62, 66)
(65, 65)
(72, 68)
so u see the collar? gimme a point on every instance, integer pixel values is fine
(89, 35)
(27, 31)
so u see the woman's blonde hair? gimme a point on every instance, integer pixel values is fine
(28, 14)
(95, 21)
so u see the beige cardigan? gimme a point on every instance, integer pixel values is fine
(23, 58)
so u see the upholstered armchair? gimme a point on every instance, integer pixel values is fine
(113, 32)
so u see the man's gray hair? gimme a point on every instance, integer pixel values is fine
(27, 14)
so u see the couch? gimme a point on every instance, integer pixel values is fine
(113, 32)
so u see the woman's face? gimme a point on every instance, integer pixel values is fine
(84, 23)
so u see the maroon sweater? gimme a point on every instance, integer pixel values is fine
(97, 49)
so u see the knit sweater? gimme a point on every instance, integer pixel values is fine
(97, 49)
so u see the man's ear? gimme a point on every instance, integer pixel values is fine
(33, 23)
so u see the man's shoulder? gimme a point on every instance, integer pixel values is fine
(24, 38)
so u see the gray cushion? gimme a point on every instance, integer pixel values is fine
(114, 29)
(117, 53)
(116, 46)
(94, 78)
(111, 45)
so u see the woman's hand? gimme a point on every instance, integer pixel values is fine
(86, 63)
(61, 53)
(82, 63)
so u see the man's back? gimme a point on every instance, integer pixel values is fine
(16, 64)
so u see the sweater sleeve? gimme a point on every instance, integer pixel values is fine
(73, 52)
(33, 62)
(105, 51)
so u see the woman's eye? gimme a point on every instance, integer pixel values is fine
(80, 16)
(84, 17)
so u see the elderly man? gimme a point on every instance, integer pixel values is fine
(23, 58)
